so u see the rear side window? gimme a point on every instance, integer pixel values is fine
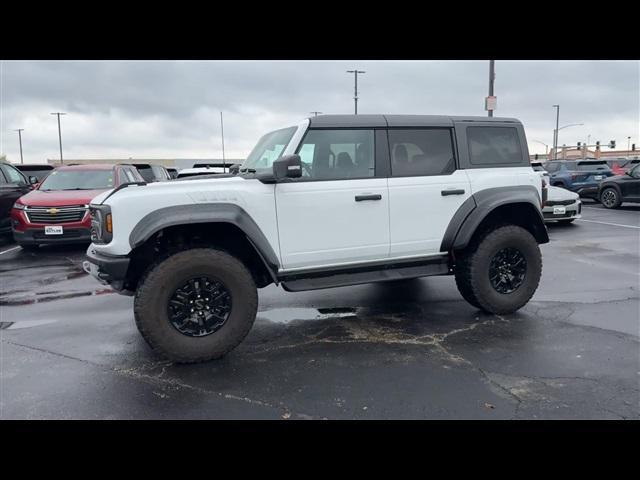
(421, 152)
(589, 166)
(494, 146)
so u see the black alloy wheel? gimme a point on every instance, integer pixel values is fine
(507, 270)
(200, 307)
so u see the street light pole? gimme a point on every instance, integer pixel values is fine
(60, 134)
(491, 79)
(628, 146)
(555, 133)
(355, 96)
(224, 162)
(19, 130)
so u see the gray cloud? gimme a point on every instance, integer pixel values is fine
(171, 109)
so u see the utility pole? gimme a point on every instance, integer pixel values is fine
(19, 130)
(555, 133)
(59, 134)
(224, 163)
(315, 113)
(355, 96)
(628, 147)
(492, 77)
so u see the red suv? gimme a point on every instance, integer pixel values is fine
(57, 211)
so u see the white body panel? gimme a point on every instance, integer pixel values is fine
(420, 214)
(132, 205)
(483, 178)
(320, 223)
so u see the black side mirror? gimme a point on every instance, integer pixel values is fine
(289, 166)
(33, 180)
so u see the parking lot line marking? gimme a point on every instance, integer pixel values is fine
(607, 223)
(10, 250)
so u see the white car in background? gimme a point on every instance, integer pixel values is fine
(562, 205)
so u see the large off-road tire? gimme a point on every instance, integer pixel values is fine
(610, 198)
(500, 270)
(196, 305)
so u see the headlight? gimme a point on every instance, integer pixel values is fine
(19, 206)
(101, 223)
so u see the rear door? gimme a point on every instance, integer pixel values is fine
(338, 212)
(425, 189)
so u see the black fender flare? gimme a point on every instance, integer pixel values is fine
(479, 205)
(206, 213)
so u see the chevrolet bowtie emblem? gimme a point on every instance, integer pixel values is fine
(53, 211)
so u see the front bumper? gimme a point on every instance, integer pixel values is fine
(36, 236)
(572, 211)
(107, 269)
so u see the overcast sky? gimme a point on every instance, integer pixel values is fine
(171, 109)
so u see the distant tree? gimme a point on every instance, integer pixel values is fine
(3, 158)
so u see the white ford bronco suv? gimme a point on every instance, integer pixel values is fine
(336, 200)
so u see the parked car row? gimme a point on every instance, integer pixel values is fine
(610, 182)
(43, 204)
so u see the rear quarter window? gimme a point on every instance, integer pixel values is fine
(490, 146)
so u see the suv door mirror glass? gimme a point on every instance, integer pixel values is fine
(289, 166)
(33, 180)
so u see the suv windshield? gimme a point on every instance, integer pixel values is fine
(78, 180)
(268, 149)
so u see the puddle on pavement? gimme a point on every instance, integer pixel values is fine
(24, 324)
(287, 315)
(42, 297)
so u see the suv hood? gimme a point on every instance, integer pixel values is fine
(58, 198)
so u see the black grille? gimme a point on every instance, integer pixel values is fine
(55, 215)
(550, 215)
(551, 203)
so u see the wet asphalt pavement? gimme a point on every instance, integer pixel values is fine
(411, 350)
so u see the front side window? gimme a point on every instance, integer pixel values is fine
(78, 180)
(494, 146)
(13, 175)
(337, 154)
(268, 149)
(421, 152)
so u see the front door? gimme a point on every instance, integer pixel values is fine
(337, 213)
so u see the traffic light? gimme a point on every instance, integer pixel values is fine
(536, 156)
(633, 147)
(598, 145)
(579, 143)
(612, 144)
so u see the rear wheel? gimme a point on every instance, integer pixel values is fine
(610, 198)
(196, 305)
(499, 272)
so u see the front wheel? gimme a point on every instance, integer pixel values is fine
(610, 198)
(499, 272)
(196, 305)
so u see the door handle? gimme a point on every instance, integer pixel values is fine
(362, 198)
(458, 191)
